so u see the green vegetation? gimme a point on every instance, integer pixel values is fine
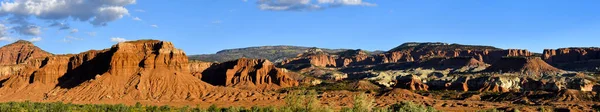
(296, 101)
(272, 53)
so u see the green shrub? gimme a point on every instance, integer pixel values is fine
(303, 101)
(363, 103)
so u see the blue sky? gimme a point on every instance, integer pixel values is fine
(207, 26)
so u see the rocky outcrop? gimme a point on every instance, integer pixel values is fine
(136, 70)
(485, 55)
(578, 59)
(533, 66)
(354, 57)
(248, 74)
(411, 82)
(409, 52)
(420, 51)
(314, 57)
(197, 67)
(20, 52)
(450, 63)
(495, 84)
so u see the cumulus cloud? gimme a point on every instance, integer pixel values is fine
(96, 12)
(118, 39)
(155, 26)
(307, 5)
(35, 39)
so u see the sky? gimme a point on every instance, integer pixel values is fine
(207, 26)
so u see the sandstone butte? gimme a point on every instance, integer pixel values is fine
(19, 52)
(144, 70)
(248, 73)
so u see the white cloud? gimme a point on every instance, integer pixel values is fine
(31, 30)
(137, 19)
(307, 5)
(118, 39)
(73, 38)
(96, 12)
(107, 14)
(8, 39)
(35, 39)
(93, 34)
(4, 34)
(155, 26)
(74, 31)
(60, 25)
(65, 40)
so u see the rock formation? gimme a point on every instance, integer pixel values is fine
(450, 63)
(409, 52)
(419, 51)
(314, 57)
(248, 74)
(136, 70)
(574, 58)
(197, 67)
(411, 83)
(534, 66)
(20, 52)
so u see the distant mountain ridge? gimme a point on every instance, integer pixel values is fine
(427, 46)
(272, 53)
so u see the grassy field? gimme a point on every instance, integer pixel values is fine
(298, 101)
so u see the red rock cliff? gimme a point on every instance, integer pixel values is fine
(136, 70)
(248, 74)
(569, 55)
(20, 52)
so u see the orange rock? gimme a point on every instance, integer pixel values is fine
(411, 83)
(136, 70)
(197, 67)
(20, 52)
(248, 73)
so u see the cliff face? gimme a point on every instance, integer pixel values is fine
(248, 74)
(20, 52)
(574, 58)
(313, 56)
(137, 70)
(487, 55)
(197, 67)
(409, 52)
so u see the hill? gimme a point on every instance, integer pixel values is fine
(272, 53)
(19, 52)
